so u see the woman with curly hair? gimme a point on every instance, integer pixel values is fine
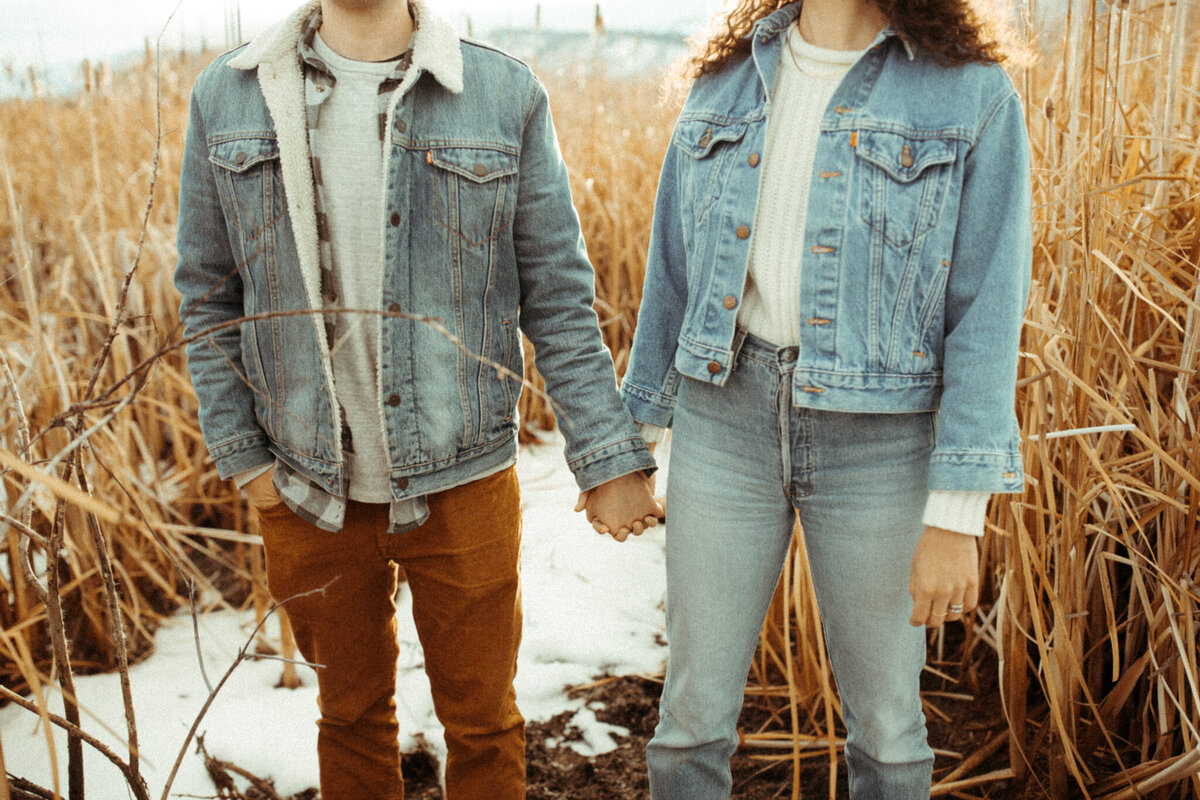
(837, 276)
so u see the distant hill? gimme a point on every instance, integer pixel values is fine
(615, 52)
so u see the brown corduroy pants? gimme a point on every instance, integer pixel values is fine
(462, 566)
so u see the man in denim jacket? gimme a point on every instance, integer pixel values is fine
(371, 210)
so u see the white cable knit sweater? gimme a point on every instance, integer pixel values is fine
(807, 78)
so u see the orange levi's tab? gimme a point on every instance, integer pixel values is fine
(854, 139)
(428, 156)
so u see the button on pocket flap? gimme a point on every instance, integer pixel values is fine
(478, 164)
(239, 155)
(902, 157)
(698, 138)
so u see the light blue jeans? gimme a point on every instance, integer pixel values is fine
(744, 463)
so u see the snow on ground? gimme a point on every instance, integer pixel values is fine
(593, 606)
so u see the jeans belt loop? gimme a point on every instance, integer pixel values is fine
(739, 337)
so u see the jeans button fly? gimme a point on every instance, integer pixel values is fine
(790, 354)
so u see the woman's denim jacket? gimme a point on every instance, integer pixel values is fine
(916, 260)
(481, 238)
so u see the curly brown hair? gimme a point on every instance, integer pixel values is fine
(949, 31)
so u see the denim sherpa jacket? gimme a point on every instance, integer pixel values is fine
(916, 259)
(480, 235)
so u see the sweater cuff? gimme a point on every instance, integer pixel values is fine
(652, 434)
(962, 512)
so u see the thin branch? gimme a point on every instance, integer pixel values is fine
(242, 655)
(153, 536)
(62, 658)
(116, 630)
(72, 729)
(272, 657)
(28, 534)
(118, 315)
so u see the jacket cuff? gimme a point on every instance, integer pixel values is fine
(242, 478)
(647, 405)
(973, 471)
(622, 458)
(242, 455)
(962, 512)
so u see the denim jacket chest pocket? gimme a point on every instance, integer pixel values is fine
(710, 147)
(902, 182)
(250, 185)
(475, 190)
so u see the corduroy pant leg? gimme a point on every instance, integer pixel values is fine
(350, 628)
(463, 567)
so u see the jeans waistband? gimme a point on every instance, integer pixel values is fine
(750, 346)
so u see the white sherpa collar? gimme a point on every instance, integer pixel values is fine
(436, 47)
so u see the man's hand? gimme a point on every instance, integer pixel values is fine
(261, 491)
(944, 581)
(622, 506)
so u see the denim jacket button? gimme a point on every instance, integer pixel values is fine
(239, 159)
(393, 400)
(743, 232)
(754, 159)
(401, 127)
(790, 354)
(395, 219)
(394, 308)
(480, 170)
(714, 367)
(401, 483)
(730, 302)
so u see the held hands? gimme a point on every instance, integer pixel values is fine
(621, 506)
(261, 491)
(944, 581)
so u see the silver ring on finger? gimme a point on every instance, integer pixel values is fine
(956, 609)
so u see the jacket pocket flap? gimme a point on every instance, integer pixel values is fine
(902, 157)
(239, 155)
(698, 137)
(478, 164)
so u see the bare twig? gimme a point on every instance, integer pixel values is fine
(74, 730)
(62, 657)
(27, 535)
(242, 655)
(119, 314)
(218, 769)
(116, 629)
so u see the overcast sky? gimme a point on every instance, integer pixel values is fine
(49, 32)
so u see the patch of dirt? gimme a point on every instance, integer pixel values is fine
(963, 713)
(555, 771)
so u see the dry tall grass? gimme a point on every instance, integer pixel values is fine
(1091, 595)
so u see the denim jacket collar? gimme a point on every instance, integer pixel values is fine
(435, 51)
(778, 21)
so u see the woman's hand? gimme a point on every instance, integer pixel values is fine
(944, 581)
(261, 491)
